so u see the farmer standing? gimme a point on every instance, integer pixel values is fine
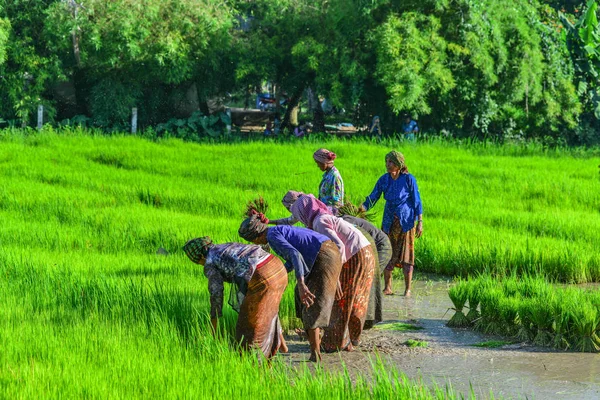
(402, 217)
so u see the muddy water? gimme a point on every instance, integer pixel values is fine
(513, 371)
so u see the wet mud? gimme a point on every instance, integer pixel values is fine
(515, 370)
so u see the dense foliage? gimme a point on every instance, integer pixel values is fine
(468, 67)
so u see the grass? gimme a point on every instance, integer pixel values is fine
(88, 306)
(397, 326)
(416, 343)
(89, 309)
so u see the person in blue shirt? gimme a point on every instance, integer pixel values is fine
(410, 128)
(317, 264)
(402, 217)
(375, 128)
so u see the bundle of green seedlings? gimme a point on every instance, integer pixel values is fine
(349, 208)
(258, 205)
(459, 295)
(533, 310)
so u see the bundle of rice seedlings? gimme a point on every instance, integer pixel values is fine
(459, 294)
(258, 205)
(348, 208)
(563, 322)
(508, 309)
(474, 297)
(586, 323)
(490, 321)
(543, 320)
(526, 329)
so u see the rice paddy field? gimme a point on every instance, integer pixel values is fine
(91, 308)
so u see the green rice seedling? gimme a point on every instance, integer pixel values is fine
(459, 294)
(490, 321)
(348, 208)
(526, 328)
(508, 310)
(258, 205)
(474, 298)
(543, 320)
(586, 323)
(416, 343)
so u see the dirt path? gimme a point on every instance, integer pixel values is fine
(512, 371)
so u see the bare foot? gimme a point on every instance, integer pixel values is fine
(315, 357)
(349, 348)
(388, 292)
(407, 293)
(283, 348)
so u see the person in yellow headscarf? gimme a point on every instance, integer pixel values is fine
(402, 217)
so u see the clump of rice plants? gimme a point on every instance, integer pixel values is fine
(542, 319)
(586, 327)
(535, 311)
(474, 298)
(491, 321)
(459, 295)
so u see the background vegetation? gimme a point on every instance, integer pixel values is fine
(463, 67)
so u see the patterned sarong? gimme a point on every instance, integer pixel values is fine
(348, 313)
(322, 282)
(258, 323)
(403, 246)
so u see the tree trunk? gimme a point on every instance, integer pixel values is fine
(292, 104)
(318, 115)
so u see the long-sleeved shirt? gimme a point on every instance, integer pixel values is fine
(346, 237)
(230, 262)
(297, 246)
(402, 200)
(331, 189)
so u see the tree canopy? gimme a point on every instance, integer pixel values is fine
(467, 67)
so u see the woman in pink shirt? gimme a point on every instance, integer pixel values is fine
(350, 308)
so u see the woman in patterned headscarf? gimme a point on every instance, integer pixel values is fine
(331, 189)
(317, 264)
(358, 266)
(261, 279)
(403, 208)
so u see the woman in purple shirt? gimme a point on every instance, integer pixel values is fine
(317, 264)
(402, 208)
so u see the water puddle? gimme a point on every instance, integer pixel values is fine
(512, 371)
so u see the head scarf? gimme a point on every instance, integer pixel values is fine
(324, 156)
(253, 226)
(398, 159)
(290, 198)
(307, 208)
(198, 248)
